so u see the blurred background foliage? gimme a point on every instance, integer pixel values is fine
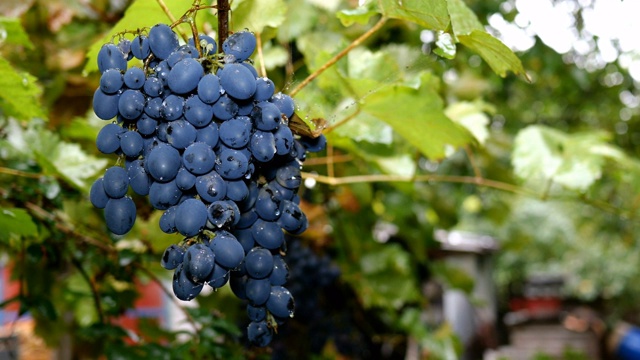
(427, 130)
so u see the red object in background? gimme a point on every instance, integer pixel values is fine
(537, 307)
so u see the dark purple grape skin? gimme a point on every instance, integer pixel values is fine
(172, 257)
(162, 41)
(280, 302)
(97, 195)
(120, 215)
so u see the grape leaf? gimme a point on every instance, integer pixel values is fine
(19, 92)
(71, 163)
(141, 14)
(14, 32)
(17, 222)
(255, 15)
(360, 15)
(463, 20)
(417, 115)
(472, 116)
(430, 14)
(499, 57)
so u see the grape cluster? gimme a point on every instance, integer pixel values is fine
(208, 141)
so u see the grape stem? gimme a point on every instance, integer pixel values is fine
(339, 55)
(223, 20)
(94, 291)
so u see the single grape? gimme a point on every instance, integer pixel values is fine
(111, 81)
(134, 78)
(180, 134)
(267, 234)
(139, 179)
(211, 187)
(292, 218)
(284, 103)
(198, 262)
(237, 190)
(229, 253)
(258, 291)
(256, 313)
(268, 205)
(280, 272)
(259, 333)
(245, 239)
(108, 139)
(208, 135)
(284, 140)
(163, 162)
(125, 47)
(238, 285)
(164, 195)
(223, 214)
(209, 90)
(183, 287)
(185, 75)
(131, 104)
(262, 146)
(266, 116)
(105, 106)
(154, 108)
(185, 180)
(131, 143)
(235, 133)
(197, 112)
(264, 89)
(218, 278)
(97, 195)
(110, 57)
(314, 144)
(289, 176)
(191, 217)
(231, 164)
(116, 182)
(153, 86)
(140, 47)
(225, 108)
(146, 125)
(240, 44)
(247, 219)
(172, 107)
(120, 215)
(237, 81)
(172, 257)
(168, 220)
(162, 41)
(258, 263)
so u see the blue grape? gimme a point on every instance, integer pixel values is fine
(111, 81)
(289, 176)
(198, 158)
(110, 57)
(280, 272)
(172, 257)
(131, 104)
(150, 143)
(191, 217)
(237, 190)
(284, 140)
(197, 112)
(161, 131)
(198, 262)
(162, 41)
(108, 139)
(97, 195)
(237, 81)
(168, 220)
(268, 205)
(211, 187)
(247, 219)
(125, 48)
(280, 302)
(235, 133)
(251, 68)
(245, 107)
(262, 146)
(225, 108)
(264, 89)
(183, 287)
(172, 107)
(131, 143)
(256, 313)
(282, 192)
(314, 144)
(266, 116)
(292, 218)
(116, 182)
(180, 134)
(258, 291)
(284, 103)
(259, 263)
(238, 285)
(267, 234)
(154, 107)
(229, 253)
(209, 90)
(248, 203)
(153, 86)
(218, 278)
(185, 75)
(185, 180)
(231, 164)
(208, 135)
(163, 162)
(140, 47)
(105, 106)
(207, 44)
(134, 78)
(120, 215)
(139, 179)
(162, 72)
(240, 44)
(146, 125)
(245, 238)
(259, 333)
(164, 195)
(222, 214)
(177, 56)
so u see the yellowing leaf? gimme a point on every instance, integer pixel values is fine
(499, 57)
(431, 14)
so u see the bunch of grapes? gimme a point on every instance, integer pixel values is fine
(208, 141)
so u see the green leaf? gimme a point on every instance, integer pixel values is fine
(430, 14)
(573, 161)
(417, 115)
(472, 116)
(360, 15)
(463, 20)
(255, 15)
(17, 222)
(19, 92)
(14, 32)
(364, 127)
(445, 45)
(141, 14)
(499, 57)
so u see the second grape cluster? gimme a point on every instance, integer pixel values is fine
(208, 141)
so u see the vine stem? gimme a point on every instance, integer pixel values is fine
(223, 21)
(9, 171)
(339, 56)
(376, 178)
(263, 69)
(92, 286)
